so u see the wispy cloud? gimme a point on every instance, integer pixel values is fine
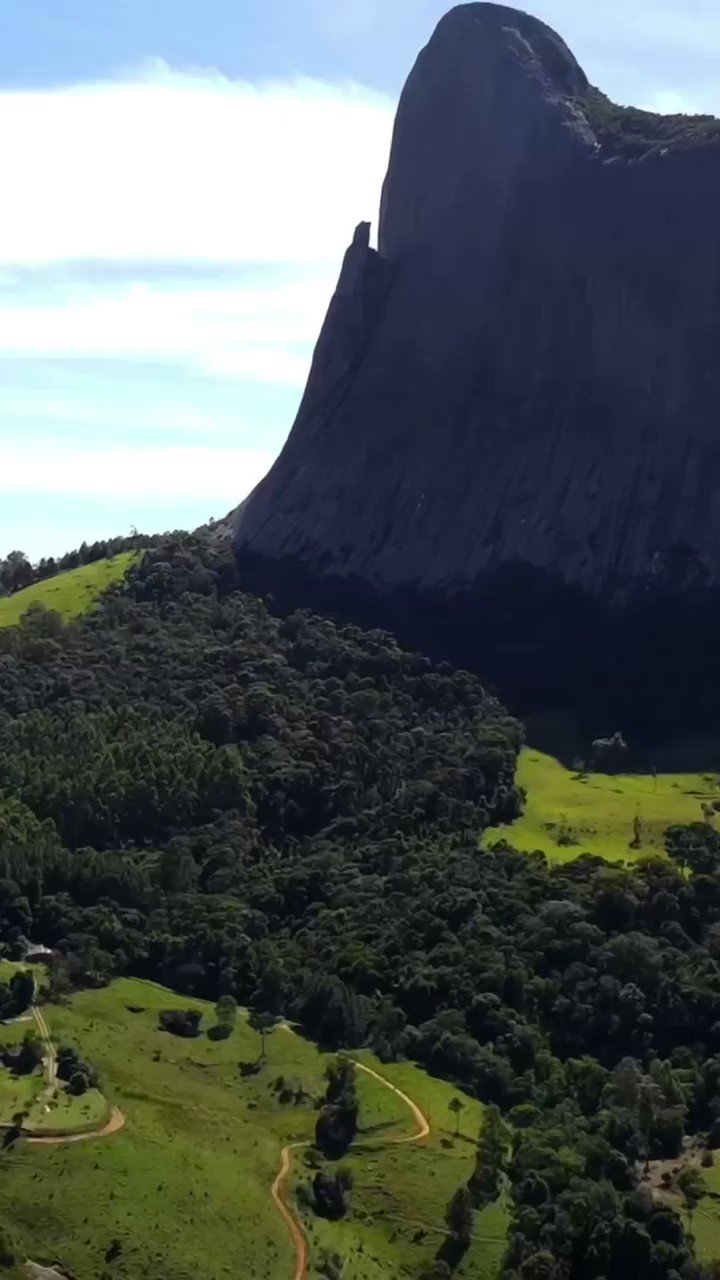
(166, 165)
(261, 330)
(168, 244)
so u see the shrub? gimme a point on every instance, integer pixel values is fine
(181, 1022)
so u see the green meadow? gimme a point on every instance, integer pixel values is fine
(183, 1190)
(69, 594)
(566, 814)
(399, 1191)
(706, 1218)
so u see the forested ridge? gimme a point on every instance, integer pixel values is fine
(196, 791)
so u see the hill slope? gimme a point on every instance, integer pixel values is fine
(71, 593)
(567, 814)
(197, 791)
(184, 1189)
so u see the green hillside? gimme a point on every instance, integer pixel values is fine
(184, 1189)
(71, 593)
(566, 815)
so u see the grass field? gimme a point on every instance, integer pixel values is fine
(71, 593)
(565, 816)
(399, 1195)
(74, 1115)
(706, 1219)
(184, 1189)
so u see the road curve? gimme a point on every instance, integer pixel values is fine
(114, 1124)
(116, 1119)
(293, 1224)
(421, 1120)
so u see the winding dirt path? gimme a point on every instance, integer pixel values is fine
(421, 1120)
(293, 1224)
(114, 1124)
(115, 1121)
(277, 1191)
(50, 1059)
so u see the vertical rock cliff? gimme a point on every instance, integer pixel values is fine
(521, 385)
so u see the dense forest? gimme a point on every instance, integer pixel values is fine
(287, 811)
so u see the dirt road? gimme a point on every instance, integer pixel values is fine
(277, 1190)
(293, 1224)
(115, 1123)
(50, 1058)
(421, 1120)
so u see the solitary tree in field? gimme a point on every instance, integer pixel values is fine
(263, 1023)
(692, 1188)
(226, 1013)
(459, 1217)
(456, 1106)
(78, 1084)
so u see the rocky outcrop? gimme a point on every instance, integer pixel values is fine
(525, 373)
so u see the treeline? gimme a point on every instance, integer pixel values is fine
(631, 132)
(17, 571)
(287, 812)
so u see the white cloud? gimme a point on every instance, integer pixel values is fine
(190, 169)
(216, 474)
(251, 333)
(166, 165)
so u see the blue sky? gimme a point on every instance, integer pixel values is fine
(180, 178)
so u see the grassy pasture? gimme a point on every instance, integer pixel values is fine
(184, 1189)
(566, 815)
(69, 594)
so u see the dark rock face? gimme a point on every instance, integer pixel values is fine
(524, 378)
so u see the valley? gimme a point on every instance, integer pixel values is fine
(359, 849)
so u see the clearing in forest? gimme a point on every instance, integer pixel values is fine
(69, 594)
(567, 814)
(185, 1188)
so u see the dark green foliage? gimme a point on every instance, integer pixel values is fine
(16, 571)
(263, 1023)
(696, 848)
(631, 133)
(17, 995)
(181, 1022)
(285, 814)
(456, 1106)
(78, 1084)
(71, 1067)
(9, 1256)
(330, 1193)
(459, 1218)
(25, 1058)
(493, 1143)
(226, 1014)
(338, 1120)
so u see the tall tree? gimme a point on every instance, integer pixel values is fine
(457, 1107)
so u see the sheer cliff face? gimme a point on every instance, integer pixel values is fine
(527, 369)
